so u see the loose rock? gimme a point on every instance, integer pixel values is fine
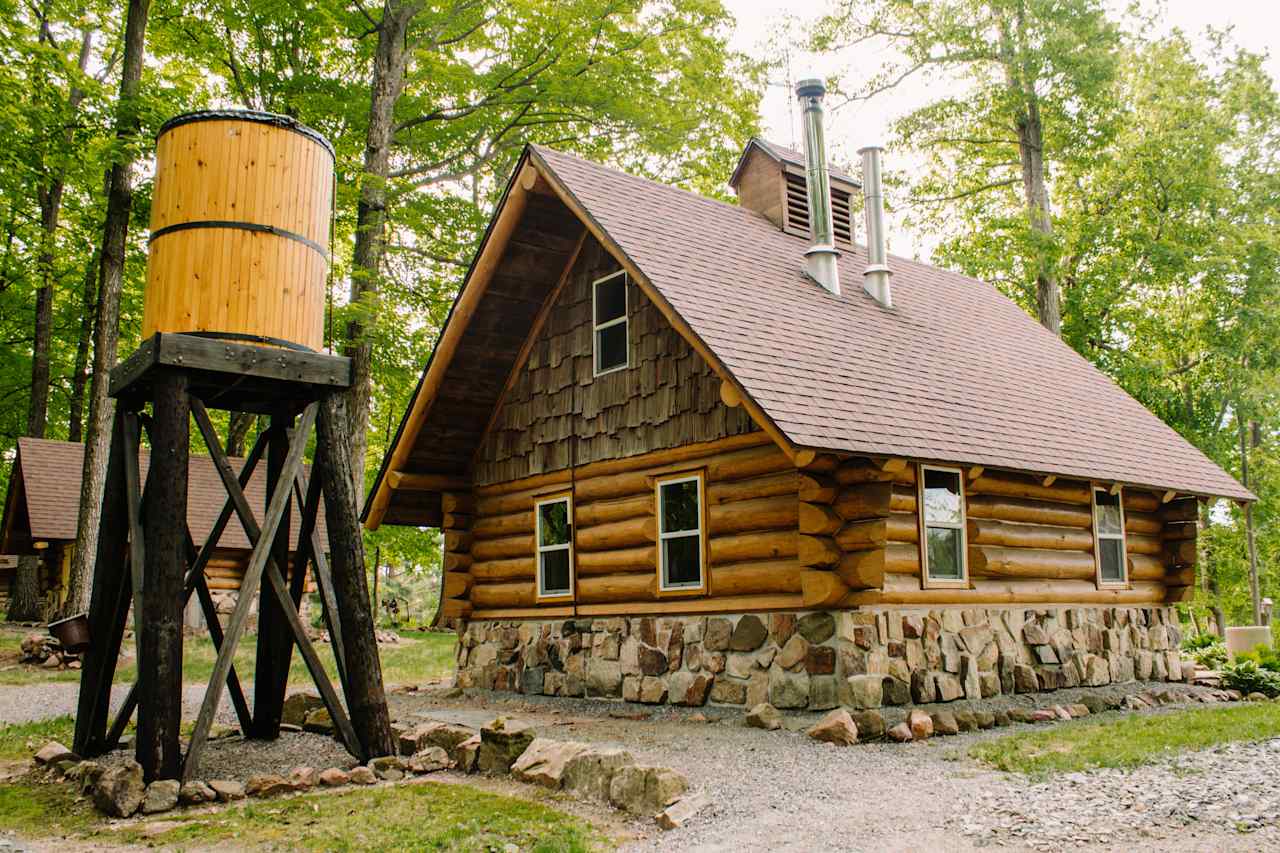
(120, 790)
(161, 796)
(836, 728)
(764, 716)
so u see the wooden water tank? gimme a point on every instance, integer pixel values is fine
(240, 229)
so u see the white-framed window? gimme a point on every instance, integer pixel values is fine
(681, 561)
(609, 331)
(553, 519)
(942, 526)
(1108, 534)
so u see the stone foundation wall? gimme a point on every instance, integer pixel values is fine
(862, 658)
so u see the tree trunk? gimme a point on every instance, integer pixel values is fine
(389, 63)
(366, 697)
(49, 195)
(24, 600)
(79, 373)
(106, 332)
(238, 426)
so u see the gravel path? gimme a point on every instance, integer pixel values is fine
(28, 702)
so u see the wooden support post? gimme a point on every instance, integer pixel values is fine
(365, 694)
(275, 645)
(324, 579)
(248, 586)
(108, 604)
(157, 747)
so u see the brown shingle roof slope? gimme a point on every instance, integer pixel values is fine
(51, 476)
(954, 372)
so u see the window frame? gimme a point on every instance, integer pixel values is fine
(663, 589)
(926, 581)
(539, 549)
(624, 321)
(1098, 536)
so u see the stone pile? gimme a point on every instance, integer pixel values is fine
(861, 659)
(45, 651)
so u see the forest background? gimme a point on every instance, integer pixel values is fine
(1117, 179)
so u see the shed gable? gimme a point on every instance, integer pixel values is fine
(557, 414)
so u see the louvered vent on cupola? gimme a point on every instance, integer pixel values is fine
(797, 210)
(770, 180)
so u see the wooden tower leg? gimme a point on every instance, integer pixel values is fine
(157, 746)
(366, 698)
(108, 604)
(275, 641)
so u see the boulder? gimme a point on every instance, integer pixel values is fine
(501, 743)
(389, 768)
(298, 706)
(901, 732)
(641, 789)
(161, 796)
(864, 691)
(430, 760)
(689, 689)
(816, 627)
(544, 761)
(266, 785)
(985, 719)
(590, 773)
(675, 815)
(120, 790)
(749, 634)
(319, 722)
(920, 723)
(303, 778)
(836, 728)
(966, 721)
(944, 723)
(85, 775)
(764, 716)
(870, 723)
(227, 790)
(196, 793)
(332, 777)
(466, 755)
(1043, 715)
(53, 752)
(362, 776)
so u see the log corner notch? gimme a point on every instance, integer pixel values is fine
(1180, 525)
(456, 580)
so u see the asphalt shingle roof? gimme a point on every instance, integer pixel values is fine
(954, 372)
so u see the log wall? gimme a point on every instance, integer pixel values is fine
(557, 415)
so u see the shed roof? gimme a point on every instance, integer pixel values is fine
(44, 497)
(954, 372)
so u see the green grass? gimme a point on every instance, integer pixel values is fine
(20, 740)
(428, 816)
(1129, 741)
(416, 658)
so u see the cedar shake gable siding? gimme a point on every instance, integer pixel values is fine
(955, 373)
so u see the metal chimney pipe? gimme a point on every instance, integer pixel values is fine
(875, 280)
(820, 259)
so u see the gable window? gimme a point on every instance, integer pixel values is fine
(609, 322)
(942, 522)
(1108, 530)
(555, 547)
(680, 553)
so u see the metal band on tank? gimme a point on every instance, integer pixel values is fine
(242, 226)
(255, 116)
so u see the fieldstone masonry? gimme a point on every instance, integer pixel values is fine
(861, 659)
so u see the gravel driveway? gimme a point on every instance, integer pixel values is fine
(27, 702)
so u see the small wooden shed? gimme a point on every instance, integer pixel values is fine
(43, 503)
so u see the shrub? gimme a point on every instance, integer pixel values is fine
(1210, 657)
(1264, 657)
(1246, 676)
(1203, 640)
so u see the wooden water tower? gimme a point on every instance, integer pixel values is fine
(233, 319)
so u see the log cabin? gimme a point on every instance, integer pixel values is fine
(689, 451)
(43, 503)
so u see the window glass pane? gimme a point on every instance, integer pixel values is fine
(555, 570)
(680, 506)
(553, 523)
(681, 561)
(611, 347)
(944, 553)
(611, 299)
(942, 497)
(1108, 512)
(1112, 559)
